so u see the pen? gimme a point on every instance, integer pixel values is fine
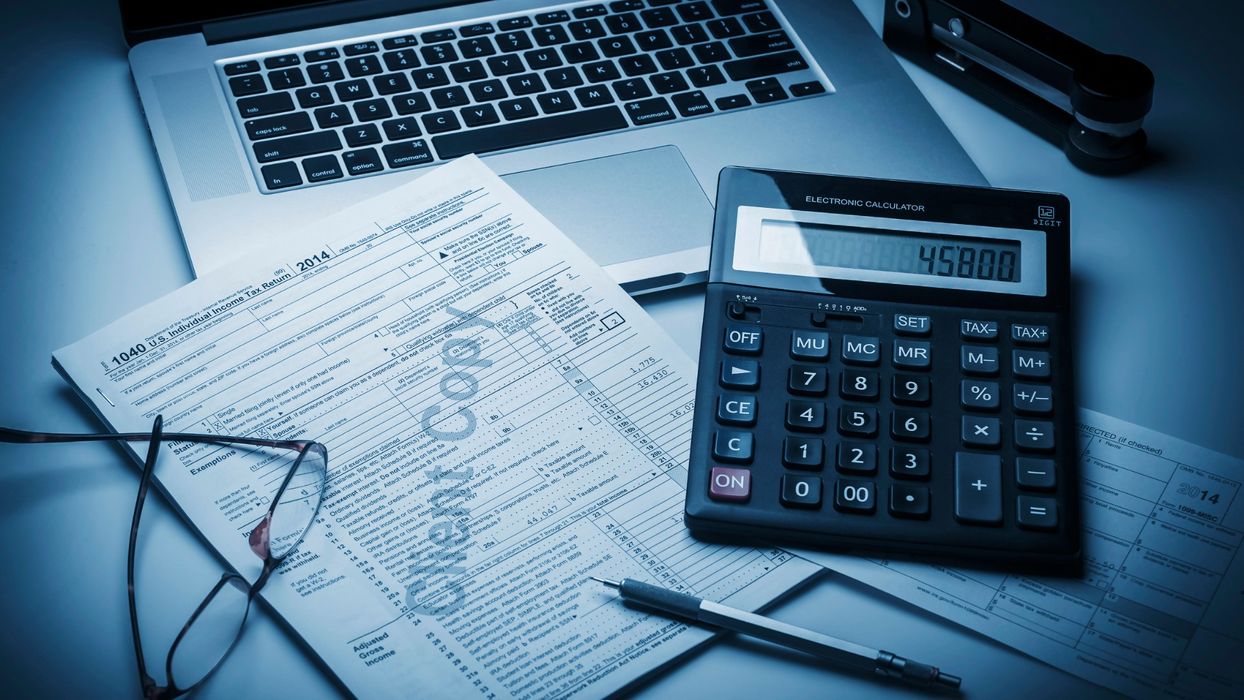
(815, 643)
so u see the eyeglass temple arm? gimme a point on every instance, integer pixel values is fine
(25, 437)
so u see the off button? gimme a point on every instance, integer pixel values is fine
(744, 340)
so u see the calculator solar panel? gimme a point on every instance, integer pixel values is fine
(885, 366)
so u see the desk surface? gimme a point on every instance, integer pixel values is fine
(89, 235)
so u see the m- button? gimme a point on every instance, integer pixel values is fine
(745, 340)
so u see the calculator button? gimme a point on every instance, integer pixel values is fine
(855, 496)
(910, 389)
(737, 409)
(978, 330)
(1033, 398)
(979, 431)
(854, 420)
(1037, 513)
(800, 491)
(978, 488)
(909, 425)
(809, 345)
(909, 501)
(912, 354)
(732, 446)
(726, 484)
(858, 350)
(982, 396)
(909, 462)
(1034, 473)
(740, 374)
(736, 310)
(803, 453)
(744, 340)
(808, 379)
(912, 325)
(819, 318)
(858, 384)
(1030, 364)
(1030, 335)
(857, 458)
(1034, 435)
(978, 359)
(805, 415)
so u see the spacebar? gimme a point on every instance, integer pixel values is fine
(525, 133)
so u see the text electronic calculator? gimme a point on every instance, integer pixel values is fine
(886, 366)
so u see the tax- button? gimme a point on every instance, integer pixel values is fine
(809, 345)
(978, 488)
(740, 374)
(858, 350)
(744, 340)
(732, 446)
(978, 330)
(737, 409)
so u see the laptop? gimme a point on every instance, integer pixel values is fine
(613, 118)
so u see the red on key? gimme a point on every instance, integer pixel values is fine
(726, 484)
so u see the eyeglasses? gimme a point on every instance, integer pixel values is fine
(296, 471)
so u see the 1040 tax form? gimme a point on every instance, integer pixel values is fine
(501, 419)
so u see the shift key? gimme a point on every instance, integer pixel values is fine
(295, 146)
(761, 66)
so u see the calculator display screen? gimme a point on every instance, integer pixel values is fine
(823, 245)
(828, 245)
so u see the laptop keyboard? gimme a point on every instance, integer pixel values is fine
(330, 112)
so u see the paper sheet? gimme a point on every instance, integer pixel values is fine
(502, 420)
(1160, 610)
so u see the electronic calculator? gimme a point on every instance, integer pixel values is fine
(885, 366)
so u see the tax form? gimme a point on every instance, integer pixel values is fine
(1160, 610)
(501, 420)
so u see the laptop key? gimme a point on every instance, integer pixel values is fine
(312, 97)
(362, 161)
(281, 175)
(771, 64)
(360, 48)
(738, 7)
(467, 71)
(555, 102)
(712, 52)
(589, 11)
(553, 17)
(551, 35)
(452, 96)
(665, 83)
(487, 90)
(361, 135)
(616, 46)
(587, 29)
(623, 23)
(518, 108)
(514, 41)
(649, 111)
(543, 58)
(478, 47)
(733, 102)
(479, 115)
(328, 117)
(289, 59)
(529, 131)
(505, 65)
(626, 5)
(280, 125)
(704, 76)
(563, 77)
(640, 64)
(352, 90)
(477, 29)
(244, 85)
(593, 96)
(760, 22)
(295, 146)
(362, 66)
(689, 34)
(766, 90)
(658, 17)
(724, 28)
(401, 129)
(430, 77)
(403, 59)
(694, 12)
(325, 72)
(601, 71)
(371, 110)
(633, 89)
(321, 168)
(316, 55)
(438, 35)
(399, 42)
(261, 105)
(411, 103)
(804, 89)
(407, 153)
(391, 83)
(286, 78)
(690, 104)
(653, 40)
(673, 59)
(440, 122)
(439, 53)
(241, 67)
(755, 44)
(580, 52)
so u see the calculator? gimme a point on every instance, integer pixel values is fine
(885, 366)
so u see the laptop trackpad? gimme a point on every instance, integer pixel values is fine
(622, 208)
